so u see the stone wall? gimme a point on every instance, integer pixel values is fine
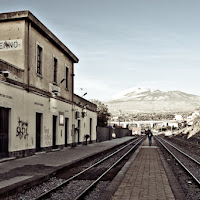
(105, 133)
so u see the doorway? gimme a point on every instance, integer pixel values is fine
(38, 131)
(78, 131)
(4, 125)
(66, 130)
(54, 131)
(90, 129)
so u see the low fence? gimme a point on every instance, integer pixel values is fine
(105, 133)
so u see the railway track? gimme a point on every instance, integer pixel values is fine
(187, 142)
(189, 164)
(90, 176)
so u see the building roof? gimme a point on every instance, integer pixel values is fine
(80, 101)
(27, 15)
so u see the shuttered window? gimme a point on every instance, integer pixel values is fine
(39, 60)
(55, 63)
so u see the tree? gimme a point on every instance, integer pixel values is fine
(102, 113)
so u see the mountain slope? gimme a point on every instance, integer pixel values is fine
(147, 100)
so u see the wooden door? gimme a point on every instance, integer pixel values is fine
(4, 124)
(38, 131)
(66, 130)
(54, 131)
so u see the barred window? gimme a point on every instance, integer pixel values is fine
(55, 63)
(39, 60)
(67, 77)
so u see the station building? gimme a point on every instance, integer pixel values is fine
(38, 108)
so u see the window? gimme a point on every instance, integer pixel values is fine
(55, 63)
(61, 118)
(67, 74)
(39, 60)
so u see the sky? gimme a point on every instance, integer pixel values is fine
(125, 44)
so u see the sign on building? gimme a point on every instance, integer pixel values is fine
(9, 45)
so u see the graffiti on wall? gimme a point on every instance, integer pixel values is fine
(22, 129)
(47, 136)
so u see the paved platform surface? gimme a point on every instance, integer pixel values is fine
(15, 172)
(146, 178)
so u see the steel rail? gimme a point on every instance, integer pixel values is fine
(185, 168)
(189, 143)
(45, 194)
(83, 194)
(196, 161)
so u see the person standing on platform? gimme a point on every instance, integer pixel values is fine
(149, 135)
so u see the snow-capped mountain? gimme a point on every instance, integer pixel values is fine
(148, 100)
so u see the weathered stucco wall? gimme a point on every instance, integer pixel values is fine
(26, 93)
(22, 121)
(49, 51)
(12, 42)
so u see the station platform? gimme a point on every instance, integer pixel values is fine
(18, 174)
(147, 177)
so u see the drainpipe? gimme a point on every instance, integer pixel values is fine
(73, 107)
(28, 60)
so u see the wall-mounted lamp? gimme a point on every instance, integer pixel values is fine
(55, 92)
(5, 73)
(84, 111)
(84, 94)
(63, 80)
